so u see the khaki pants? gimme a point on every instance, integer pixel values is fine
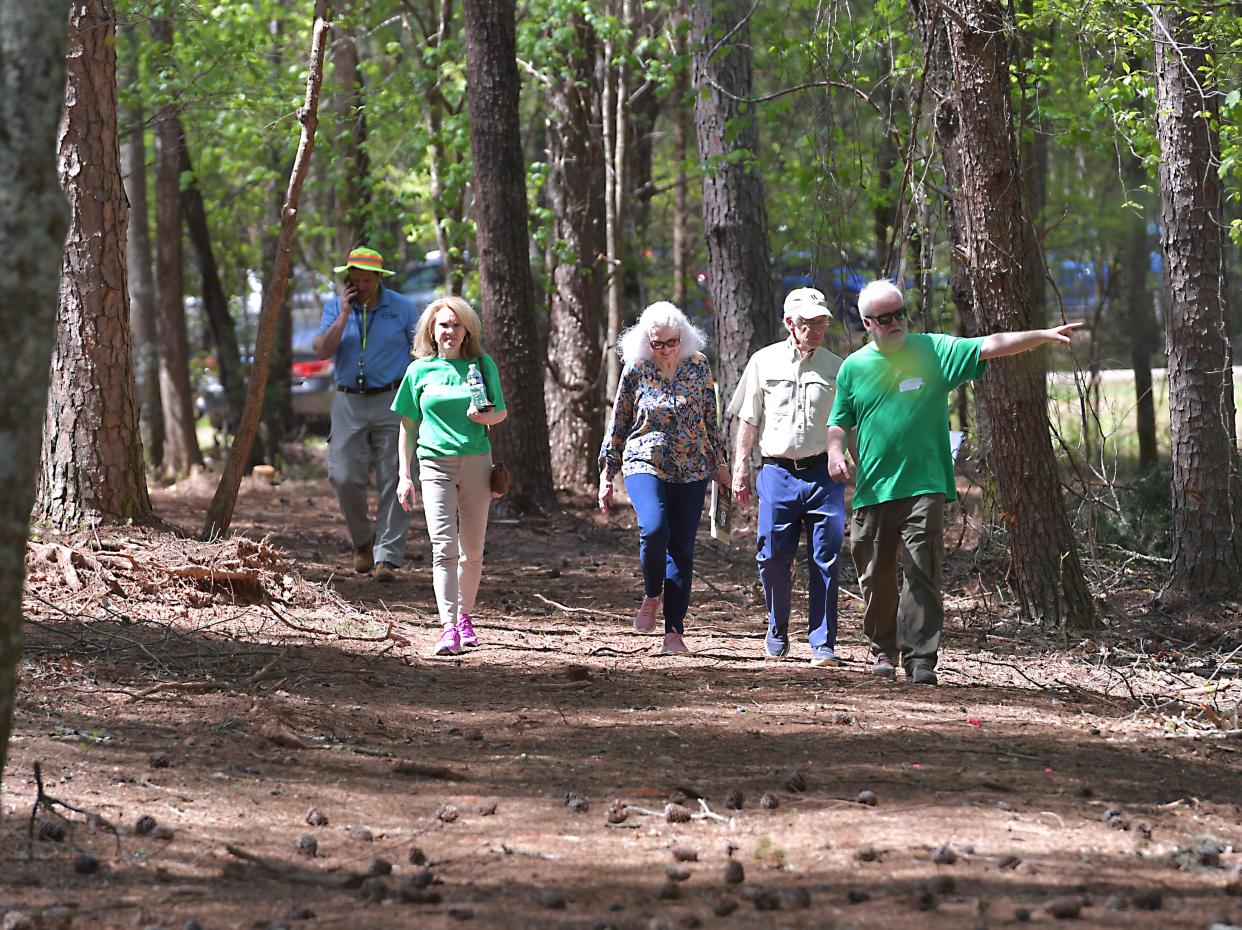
(363, 428)
(457, 493)
(908, 622)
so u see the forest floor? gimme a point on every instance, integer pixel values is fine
(231, 709)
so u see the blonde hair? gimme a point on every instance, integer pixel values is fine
(634, 343)
(424, 335)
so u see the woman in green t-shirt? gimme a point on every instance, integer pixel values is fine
(449, 397)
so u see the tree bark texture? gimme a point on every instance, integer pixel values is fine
(1140, 309)
(92, 469)
(1046, 571)
(1033, 165)
(681, 189)
(508, 292)
(215, 303)
(277, 421)
(353, 193)
(220, 511)
(1201, 407)
(144, 337)
(735, 219)
(181, 452)
(614, 100)
(32, 228)
(575, 191)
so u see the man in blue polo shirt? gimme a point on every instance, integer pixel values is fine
(367, 331)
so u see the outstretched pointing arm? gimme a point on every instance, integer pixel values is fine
(998, 345)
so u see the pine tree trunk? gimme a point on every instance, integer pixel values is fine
(181, 452)
(681, 188)
(614, 105)
(1032, 165)
(215, 303)
(735, 219)
(92, 468)
(572, 378)
(884, 213)
(1046, 571)
(220, 511)
(277, 421)
(352, 198)
(142, 317)
(1201, 407)
(32, 228)
(1140, 309)
(508, 292)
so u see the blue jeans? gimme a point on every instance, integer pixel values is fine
(789, 503)
(668, 519)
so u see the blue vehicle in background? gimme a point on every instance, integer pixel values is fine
(840, 283)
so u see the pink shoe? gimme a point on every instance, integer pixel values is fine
(449, 643)
(465, 629)
(674, 645)
(645, 620)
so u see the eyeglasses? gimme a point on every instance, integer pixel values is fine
(665, 343)
(887, 319)
(819, 322)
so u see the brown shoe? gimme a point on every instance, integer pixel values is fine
(364, 559)
(385, 572)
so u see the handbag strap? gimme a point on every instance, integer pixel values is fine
(492, 444)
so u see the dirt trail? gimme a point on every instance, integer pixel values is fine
(1044, 772)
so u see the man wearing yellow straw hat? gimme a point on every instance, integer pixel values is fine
(367, 331)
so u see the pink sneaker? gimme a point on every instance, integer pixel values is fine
(465, 629)
(674, 645)
(449, 643)
(645, 620)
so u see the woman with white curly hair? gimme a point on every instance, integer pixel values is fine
(664, 439)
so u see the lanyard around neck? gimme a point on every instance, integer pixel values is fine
(364, 326)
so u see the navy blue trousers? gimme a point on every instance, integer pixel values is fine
(791, 503)
(668, 519)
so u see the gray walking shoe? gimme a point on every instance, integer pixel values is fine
(884, 667)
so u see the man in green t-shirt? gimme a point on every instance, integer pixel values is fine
(894, 395)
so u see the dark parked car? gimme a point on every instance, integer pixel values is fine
(311, 386)
(422, 282)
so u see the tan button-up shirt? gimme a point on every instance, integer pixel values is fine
(788, 398)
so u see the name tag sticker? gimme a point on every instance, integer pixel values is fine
(444, 390)
(910, 384)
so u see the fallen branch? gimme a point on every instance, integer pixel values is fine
(311, 631)
(706, 813)
(418, 770)
(195, 686)
(578, 610)
(288, 872)
(49, 804)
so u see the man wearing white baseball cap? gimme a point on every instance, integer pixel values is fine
(783, 400)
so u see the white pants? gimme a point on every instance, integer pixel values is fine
(457, 493)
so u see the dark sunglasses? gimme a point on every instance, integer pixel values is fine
(665, 343)
(887, 319)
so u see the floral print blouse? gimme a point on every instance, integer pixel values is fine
(664, 427)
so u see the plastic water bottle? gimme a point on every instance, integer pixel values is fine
(478, 390)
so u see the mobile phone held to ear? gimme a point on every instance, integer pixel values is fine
(354, 304)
